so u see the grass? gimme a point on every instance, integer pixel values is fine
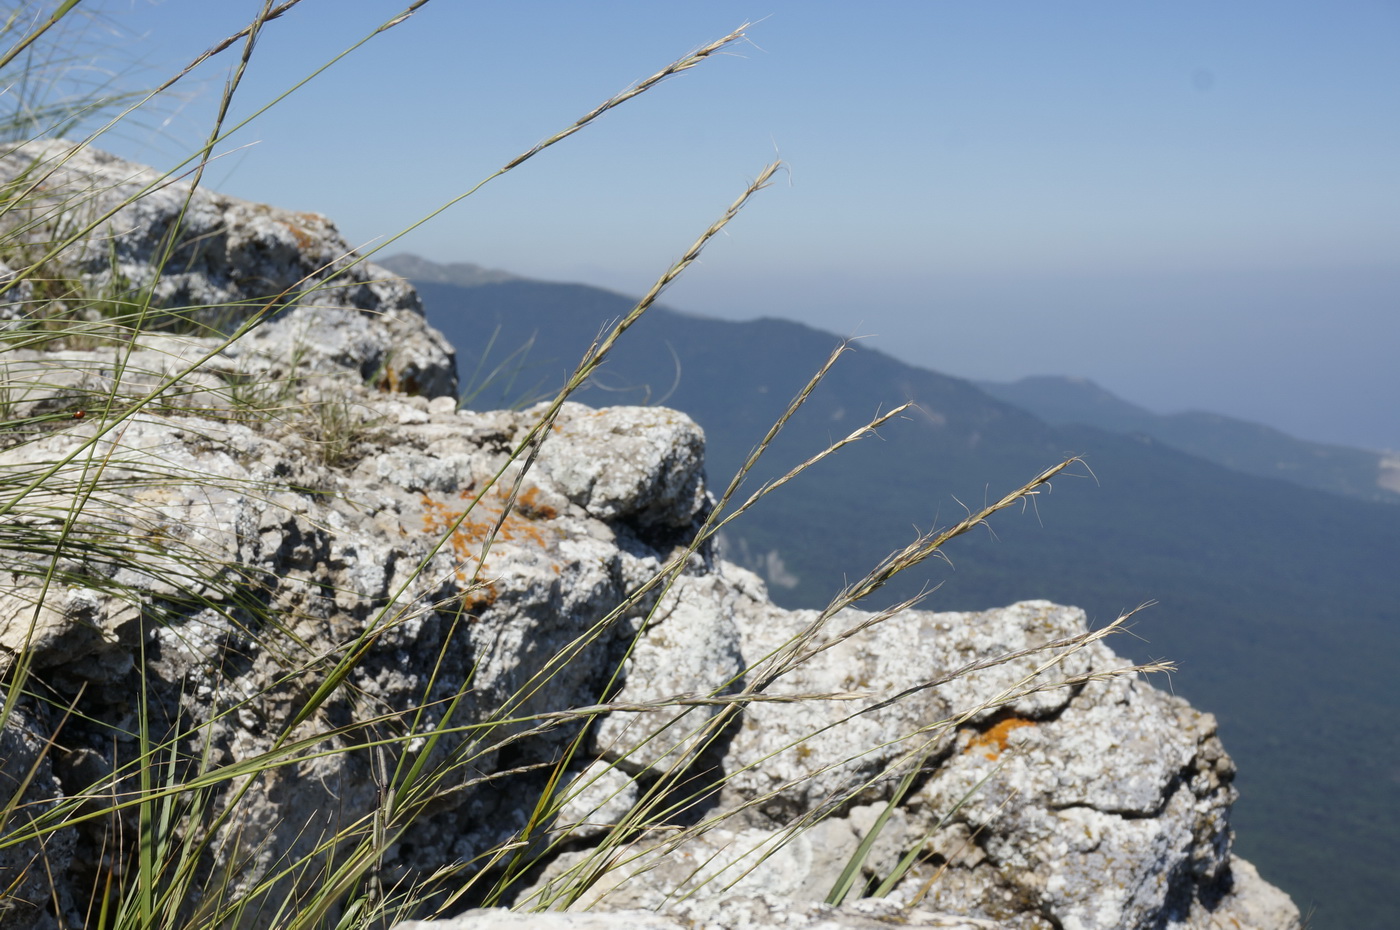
(84, 529)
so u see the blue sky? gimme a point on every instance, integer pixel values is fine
(1195, 204)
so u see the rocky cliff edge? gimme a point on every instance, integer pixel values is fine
(344, 622)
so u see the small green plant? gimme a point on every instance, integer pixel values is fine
(336, 425)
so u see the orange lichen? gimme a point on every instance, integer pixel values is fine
(995, 738)
(478, 596)
(303, 238)
(529, 505)
(469, 526)
(393, 381)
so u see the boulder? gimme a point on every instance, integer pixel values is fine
(316, 304)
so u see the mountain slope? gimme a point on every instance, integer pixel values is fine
(1277, 601)
(1238, 444)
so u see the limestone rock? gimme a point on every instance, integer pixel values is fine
(736, 912)
(323, 308)
(626, 457)
(1102, 805)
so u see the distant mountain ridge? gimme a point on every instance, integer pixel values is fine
(1062, 400)
(1238, 444)
(462, 274)
(1277, 600)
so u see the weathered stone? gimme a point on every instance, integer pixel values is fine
(1102, 805)
(32, 871)
(736, 912)
(322, 307)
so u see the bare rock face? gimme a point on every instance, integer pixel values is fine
(231, 261)
(1100, 805)
(736, 912)
(289, 578)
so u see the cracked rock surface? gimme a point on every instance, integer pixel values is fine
(1100, 805)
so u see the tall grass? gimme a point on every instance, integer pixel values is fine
(167, 805)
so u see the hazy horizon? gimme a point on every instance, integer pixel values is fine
(1006, 370)
(1193, 205)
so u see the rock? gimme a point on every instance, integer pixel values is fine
(1252, 902)
(853, 740)
(29, 869)
(596, 798)
(1100, 805)
(502, 919)
(737, 912)
(322, 308)
(638, 465)
(360, 636)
